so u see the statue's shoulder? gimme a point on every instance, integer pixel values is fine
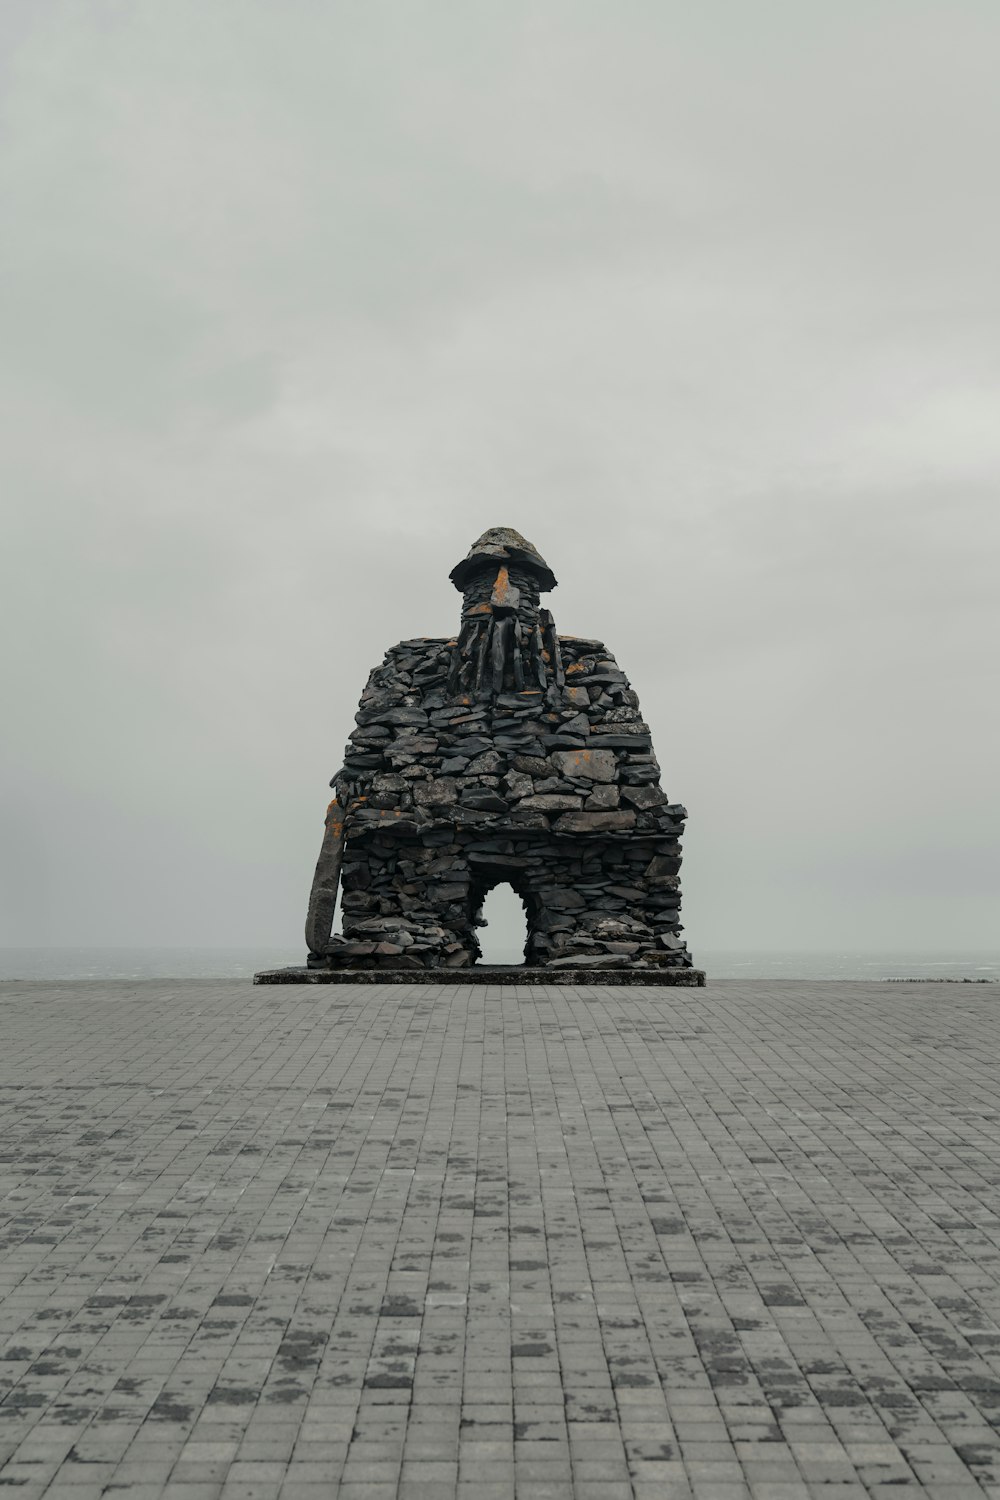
(596, 683)
(413, 667)
(584, 645)
(587, 659)
(408, 684)
(413, 655)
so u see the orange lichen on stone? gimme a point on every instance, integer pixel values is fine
(591, 765)
(505, 595)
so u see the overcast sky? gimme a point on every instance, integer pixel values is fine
(298, 298)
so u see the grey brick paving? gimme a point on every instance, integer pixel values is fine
(377, 1242)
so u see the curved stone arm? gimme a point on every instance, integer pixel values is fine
(323, 896)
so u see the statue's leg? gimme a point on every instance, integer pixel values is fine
(323, 896)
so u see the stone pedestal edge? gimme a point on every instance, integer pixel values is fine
(650, 978)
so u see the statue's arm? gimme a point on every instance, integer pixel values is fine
(362, 761)
(323, 896)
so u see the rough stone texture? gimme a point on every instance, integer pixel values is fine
(615, 969)
(506, 754)
(496, 1243)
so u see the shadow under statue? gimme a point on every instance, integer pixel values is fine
(504, 754)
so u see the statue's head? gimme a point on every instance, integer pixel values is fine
(500, 645)
(502, 574)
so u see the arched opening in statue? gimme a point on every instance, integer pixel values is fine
(502, 920)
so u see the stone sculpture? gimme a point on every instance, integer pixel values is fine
(507, 753)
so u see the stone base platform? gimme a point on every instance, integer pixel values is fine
(484, 974)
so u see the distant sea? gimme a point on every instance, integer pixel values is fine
(242, 963)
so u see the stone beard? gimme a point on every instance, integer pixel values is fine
(502, 755)
(506, 641)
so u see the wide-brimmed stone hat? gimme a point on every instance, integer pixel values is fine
(499, 545)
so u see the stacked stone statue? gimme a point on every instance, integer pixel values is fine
(505, 754)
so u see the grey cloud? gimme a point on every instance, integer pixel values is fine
(300, 299)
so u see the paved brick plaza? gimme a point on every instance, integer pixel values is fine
(546, 1242)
